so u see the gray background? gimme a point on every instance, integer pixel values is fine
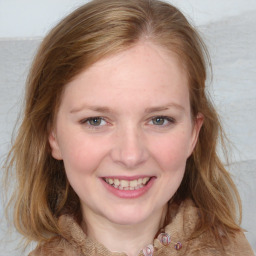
(227, 26)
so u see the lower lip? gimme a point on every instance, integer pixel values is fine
(128, 194)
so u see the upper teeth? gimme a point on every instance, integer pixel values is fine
(126, 184)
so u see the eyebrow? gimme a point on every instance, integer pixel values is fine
(165, 107)
(103, 109)
(93, 108)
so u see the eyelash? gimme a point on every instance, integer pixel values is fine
(87, 120)
(169, 120)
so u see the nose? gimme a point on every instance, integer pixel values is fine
(130, 148)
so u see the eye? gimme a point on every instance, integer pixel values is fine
(162, 120)
(94, 121)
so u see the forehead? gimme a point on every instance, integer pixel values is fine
(144, 72)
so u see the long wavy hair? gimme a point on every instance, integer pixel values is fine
(94, 31)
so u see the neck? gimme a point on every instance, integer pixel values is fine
(130, 239)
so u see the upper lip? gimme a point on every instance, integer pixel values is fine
(128, 177)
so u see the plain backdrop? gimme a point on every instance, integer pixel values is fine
(228, 28)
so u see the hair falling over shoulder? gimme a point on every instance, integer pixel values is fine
(94, 31)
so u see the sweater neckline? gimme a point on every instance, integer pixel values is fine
(182, 221)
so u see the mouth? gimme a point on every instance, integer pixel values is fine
(124, 184)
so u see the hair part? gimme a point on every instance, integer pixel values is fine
(95, 31)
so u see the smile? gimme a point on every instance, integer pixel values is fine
(123, 184)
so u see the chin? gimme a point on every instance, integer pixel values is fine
(128, 216)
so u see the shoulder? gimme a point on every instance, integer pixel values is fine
(239, 246)
(55, 247)
(69, 243)
(205, 244)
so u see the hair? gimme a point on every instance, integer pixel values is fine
(92, 32)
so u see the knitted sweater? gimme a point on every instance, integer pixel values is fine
(175, 240)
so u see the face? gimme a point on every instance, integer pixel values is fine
(124, 132)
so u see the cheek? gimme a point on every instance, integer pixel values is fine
(171, 152)
(81, 161)
(81, 155)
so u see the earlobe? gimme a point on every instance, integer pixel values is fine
(196, 130)
(54, 146)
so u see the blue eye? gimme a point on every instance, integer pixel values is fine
(162, 120)
(94, 121)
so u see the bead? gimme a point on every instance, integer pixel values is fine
(164, 238)
(178, 246)
(148, 251)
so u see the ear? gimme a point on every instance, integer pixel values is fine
(198, 122)
(56, 153)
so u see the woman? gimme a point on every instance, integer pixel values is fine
(116, 154)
